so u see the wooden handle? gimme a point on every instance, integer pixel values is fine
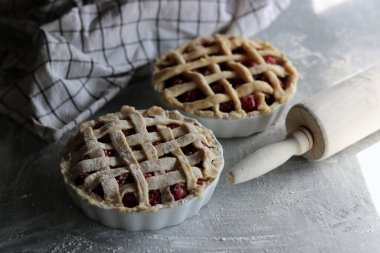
(271, 156)
(334, 118)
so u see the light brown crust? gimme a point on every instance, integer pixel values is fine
(192, 56)
(160, 153)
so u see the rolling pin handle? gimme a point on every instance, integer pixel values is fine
(270, 157)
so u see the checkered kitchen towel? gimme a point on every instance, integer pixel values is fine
(62, 60)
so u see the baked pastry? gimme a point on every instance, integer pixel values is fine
(225, 76)
(228, 77)
(140, 161)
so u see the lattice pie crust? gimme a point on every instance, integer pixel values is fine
(225, 77)
(140, 159)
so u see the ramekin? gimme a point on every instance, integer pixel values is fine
(117, 217)
(230, 128)
(146, 220)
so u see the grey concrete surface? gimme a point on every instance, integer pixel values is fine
(302, 206)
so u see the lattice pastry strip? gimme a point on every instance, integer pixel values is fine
(141, 160)
(225, 77)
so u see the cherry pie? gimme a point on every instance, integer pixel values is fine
(225, 76)
(140, 160)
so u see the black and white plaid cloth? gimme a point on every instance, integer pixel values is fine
(62, 60)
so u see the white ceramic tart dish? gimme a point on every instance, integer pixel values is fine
(233, 85)
(141, 169)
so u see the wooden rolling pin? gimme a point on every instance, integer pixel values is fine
(321, 126)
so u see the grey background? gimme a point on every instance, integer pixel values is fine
(300, 207)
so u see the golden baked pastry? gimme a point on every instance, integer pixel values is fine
(225, 76)
(136, 160)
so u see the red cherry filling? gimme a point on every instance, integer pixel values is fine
(270, 59)
(217, 88)
(189, 149)
(207, 43)
(179, 79)
(149, 174)
(191, 96)
(203, 71)
(224, 67)
(124, 178)
(249, 63)
(127, 178)
(248, 103)
(238, 50)
(129, 199)
(179, 191)
(260, 77)
(269, 99)
(172, 125)
(236, 82)
(283, 82)
(154, 197)
(227, 106)
(109, 153)
(128, 132)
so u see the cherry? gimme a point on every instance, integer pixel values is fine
(227, 106)
(149, 174)
(207, 43)
(176, 80)
(269, 99)
(154, 197)
(270, 59)
(259, 77)
(203, 71)
(189, 149)
(217, 88)
(236, 82)
(124, 178)
(224, 67)
(109, 153)
(238, 50)
(128, 132)
(172, 125)
(179, 191)
(129, 199)
(283, 82)
(191, 96)
(248, 103)
(249, 63)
